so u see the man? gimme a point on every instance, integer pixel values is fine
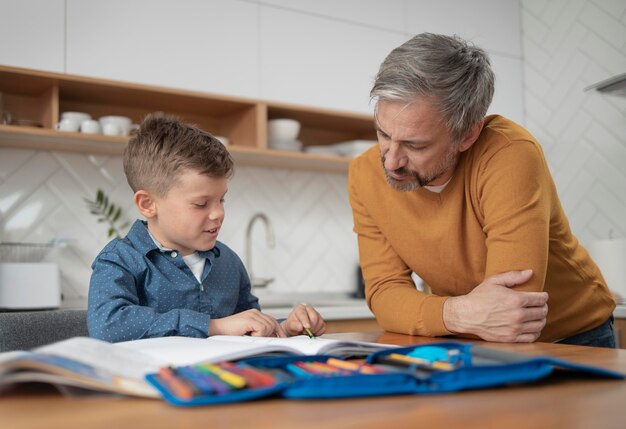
(467, 203)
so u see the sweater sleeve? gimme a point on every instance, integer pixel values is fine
(516, 194)
(389, 289)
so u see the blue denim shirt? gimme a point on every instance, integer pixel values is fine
(138, 291)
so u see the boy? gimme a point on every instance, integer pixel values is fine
(170, 275)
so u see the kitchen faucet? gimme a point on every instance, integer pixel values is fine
(258, 282)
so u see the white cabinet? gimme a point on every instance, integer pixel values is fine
(492, 24)
(508, 99)
(208, 45)
(318, 61)
(388, 14)
(32, 34)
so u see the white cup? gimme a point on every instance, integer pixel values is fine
(90, 126)
(79, 116)
(111, 129)
(123, 123)
(283, 129)
(68, 124)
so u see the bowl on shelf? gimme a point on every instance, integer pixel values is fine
(326, 150)
(122, 123)
(292, 145)
(283, 129)
(354, 148)
(76, 116)
(349, 149)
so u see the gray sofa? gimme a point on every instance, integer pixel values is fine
(25, 330)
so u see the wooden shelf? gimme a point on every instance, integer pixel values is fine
(41, 97)
(39, 138)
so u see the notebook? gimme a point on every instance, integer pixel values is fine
(185, 351)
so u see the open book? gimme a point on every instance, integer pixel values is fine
(96, 365)
(186, 351)
(83, 363)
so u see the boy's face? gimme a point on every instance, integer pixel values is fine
(189, 217)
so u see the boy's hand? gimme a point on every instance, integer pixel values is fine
(304, 316)
(249, 322)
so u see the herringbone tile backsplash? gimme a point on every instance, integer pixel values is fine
(41, 198)
(569, 45)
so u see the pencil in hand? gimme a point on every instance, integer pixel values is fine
(309, 333)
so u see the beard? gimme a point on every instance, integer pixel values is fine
(448, 161)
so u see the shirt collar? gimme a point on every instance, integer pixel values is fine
(143, 241)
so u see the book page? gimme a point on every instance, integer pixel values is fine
(180, 351)
(308, 346)
(81, 362)
(105, 356)
(299, 344)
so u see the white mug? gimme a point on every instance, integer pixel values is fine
(90, 126)
(111, 129)
(123, 123)
(79, 116)
(68, 124)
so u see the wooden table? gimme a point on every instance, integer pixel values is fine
(557, 402)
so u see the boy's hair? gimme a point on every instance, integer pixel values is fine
(164, 146)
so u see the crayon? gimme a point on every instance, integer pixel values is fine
(352, 366)
(227, 377)
(297, 371)
(175, 384)
(196, 379)
(254, 378)
(210, 379)
(422, 363)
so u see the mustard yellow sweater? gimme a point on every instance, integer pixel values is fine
(499, 212)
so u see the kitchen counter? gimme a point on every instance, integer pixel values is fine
(330, 306)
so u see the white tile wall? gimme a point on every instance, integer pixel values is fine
(569, 45)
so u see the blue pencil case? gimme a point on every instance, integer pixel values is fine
(422, 369)
(477, 367)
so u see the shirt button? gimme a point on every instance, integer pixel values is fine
(174, 254)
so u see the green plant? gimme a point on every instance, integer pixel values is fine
(107, 212)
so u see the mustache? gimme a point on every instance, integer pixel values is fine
(402, 171)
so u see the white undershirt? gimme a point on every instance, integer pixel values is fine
(438, 188)
(194, 261)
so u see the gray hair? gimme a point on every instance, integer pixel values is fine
(451, 71)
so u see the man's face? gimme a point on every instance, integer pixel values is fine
(416, 147)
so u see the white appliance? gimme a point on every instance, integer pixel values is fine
(26, 282)
(610, 256)
(29, 285)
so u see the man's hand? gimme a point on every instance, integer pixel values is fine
(249, 322)
(496, 313)
(304, 316)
